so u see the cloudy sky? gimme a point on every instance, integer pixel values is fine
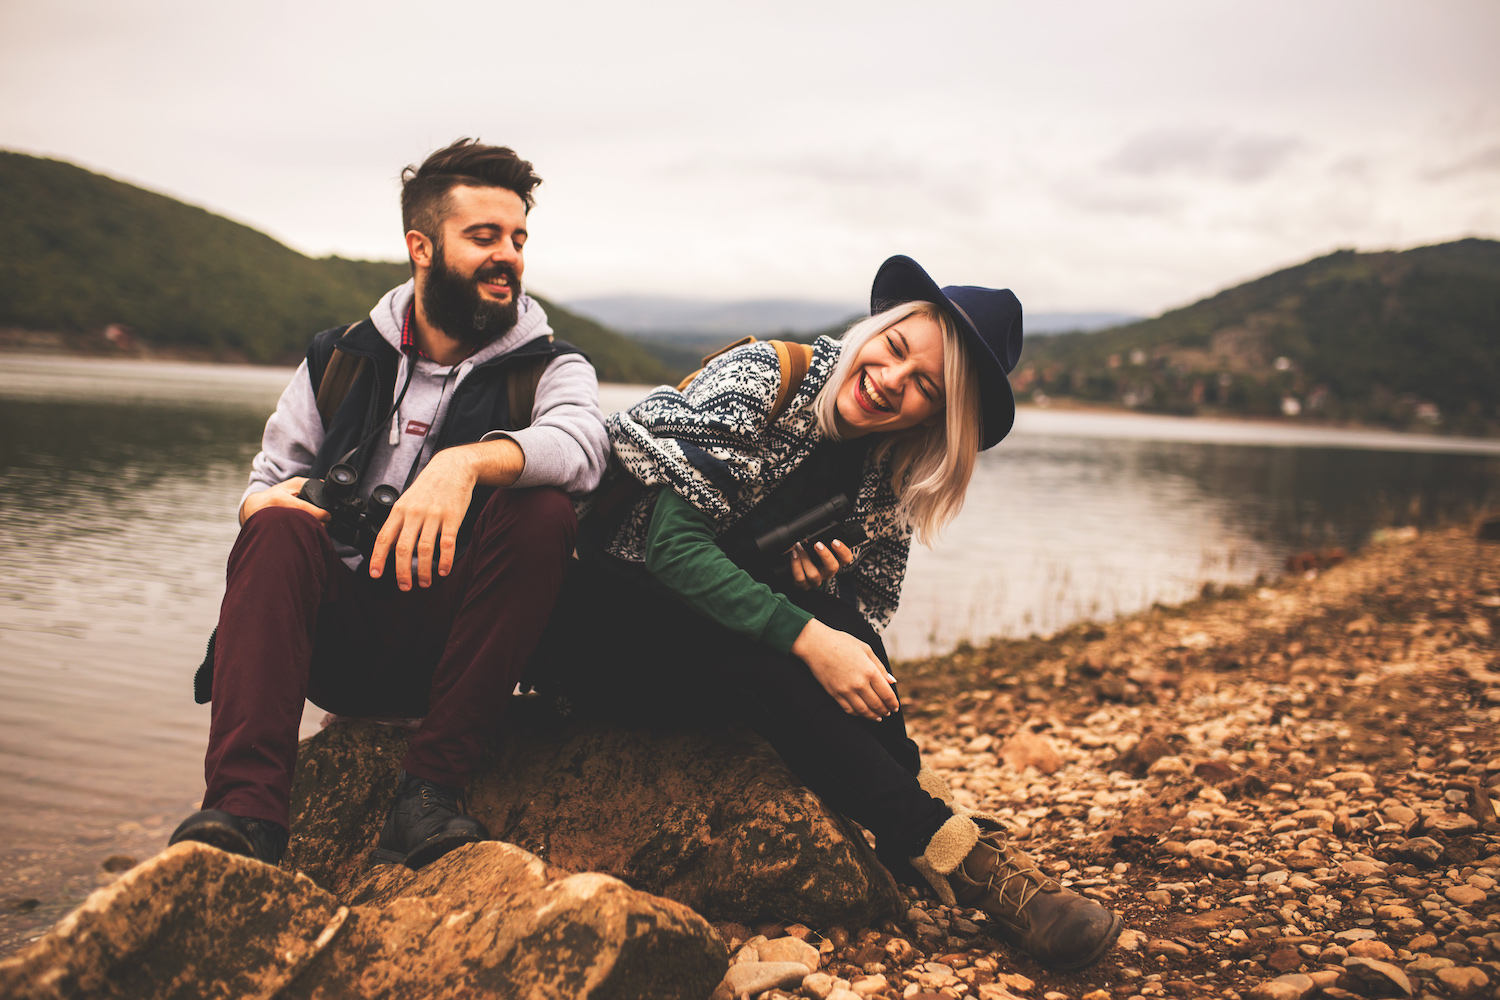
(1091, 155)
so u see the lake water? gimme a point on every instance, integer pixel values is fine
(118, 485)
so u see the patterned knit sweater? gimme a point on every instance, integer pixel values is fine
(713, 445)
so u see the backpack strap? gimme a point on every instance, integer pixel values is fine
(338, 376)
(343, 369)
(520, 388)
(794, 359)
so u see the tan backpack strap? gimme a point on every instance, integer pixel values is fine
(794, 360)
(340, 374)
(520, 389)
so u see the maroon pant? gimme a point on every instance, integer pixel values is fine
(298, 624)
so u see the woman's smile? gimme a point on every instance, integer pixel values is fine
(871, 397)
(896, 381)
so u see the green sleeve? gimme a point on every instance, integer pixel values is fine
(681, 553)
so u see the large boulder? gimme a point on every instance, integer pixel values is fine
(195, 922)
(710, 819)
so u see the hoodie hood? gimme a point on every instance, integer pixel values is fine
(531, 323)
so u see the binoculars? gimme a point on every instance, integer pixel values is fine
(355, 521)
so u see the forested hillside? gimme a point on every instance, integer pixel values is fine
(80, 251)
(1409, 339)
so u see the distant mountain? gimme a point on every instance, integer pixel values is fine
(667, 320)
(664, 319)
(80, 252)
(1070, 322)
(1405, 339)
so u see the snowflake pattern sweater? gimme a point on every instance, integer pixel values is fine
(714, 446)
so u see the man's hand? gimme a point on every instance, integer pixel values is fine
(425, 521)
(809, 573)
(281, 495)
(848, 669)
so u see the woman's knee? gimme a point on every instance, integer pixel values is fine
(835, 612)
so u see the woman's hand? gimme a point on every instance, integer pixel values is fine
(848, 669)
(810, 570)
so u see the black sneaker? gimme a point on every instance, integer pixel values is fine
(426, 821)
(254, 838)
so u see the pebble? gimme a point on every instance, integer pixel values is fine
(1463, 981)
(1372, 949)
(1465, 895)
(1428, 965)
(757, 977)
(789, 949)
(818, 985)
(1290, 987)
(1381, 976)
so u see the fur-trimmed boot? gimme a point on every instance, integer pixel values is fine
(969, 862)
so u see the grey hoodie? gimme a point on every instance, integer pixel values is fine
(565, 446)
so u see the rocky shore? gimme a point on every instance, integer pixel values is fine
(1284, 791)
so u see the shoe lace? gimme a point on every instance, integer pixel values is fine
(434, 797)
(1015, 881)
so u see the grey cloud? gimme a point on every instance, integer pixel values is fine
(1203, 151)
(1091, 197)
(854, 177)
(1355, 167)
(1482, 162)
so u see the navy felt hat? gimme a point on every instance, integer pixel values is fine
(989, 319)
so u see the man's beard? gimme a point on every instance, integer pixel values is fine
(454, 305)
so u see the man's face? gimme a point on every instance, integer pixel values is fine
(472, 287)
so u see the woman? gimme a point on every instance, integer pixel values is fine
(673, 591)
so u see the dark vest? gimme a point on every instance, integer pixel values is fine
(480, 404)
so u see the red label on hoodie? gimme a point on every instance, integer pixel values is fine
(417, 427)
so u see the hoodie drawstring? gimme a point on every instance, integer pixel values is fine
(395, 437)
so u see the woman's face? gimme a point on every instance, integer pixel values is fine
(896, 381)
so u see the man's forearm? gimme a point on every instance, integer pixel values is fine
(492, 463)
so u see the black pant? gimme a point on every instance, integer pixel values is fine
(618, 646)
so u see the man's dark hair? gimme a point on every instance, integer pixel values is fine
(424, 189)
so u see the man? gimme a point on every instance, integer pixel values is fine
(454, 393)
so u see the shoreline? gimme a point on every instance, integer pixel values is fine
(55, 346)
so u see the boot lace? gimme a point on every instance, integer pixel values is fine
(1015, 882)
(435, 798)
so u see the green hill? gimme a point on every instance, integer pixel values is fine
(79, 251)
(1409, 339)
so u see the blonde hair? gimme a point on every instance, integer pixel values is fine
(930, 465)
